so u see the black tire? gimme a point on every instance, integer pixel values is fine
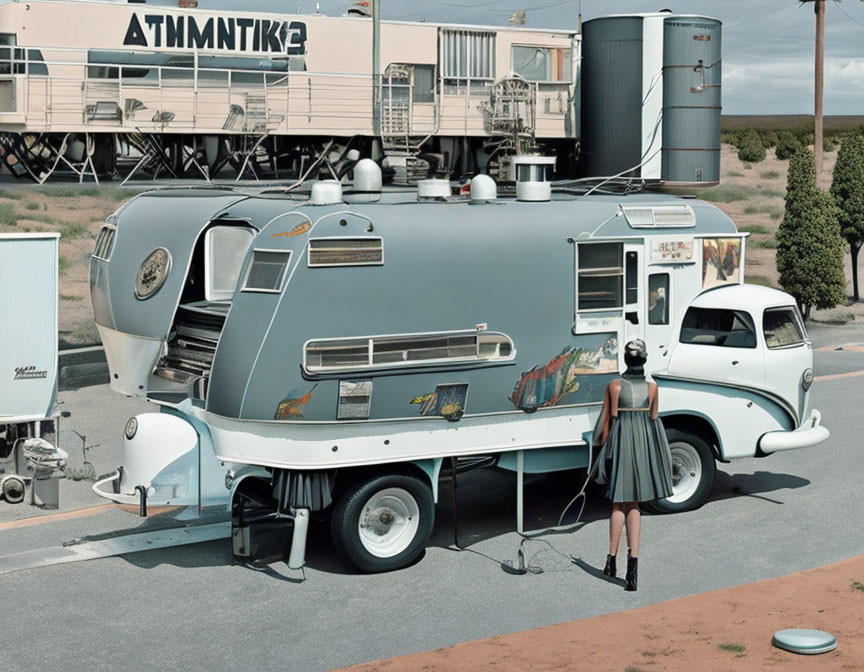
(398, 495)
(13, 489)
(687, 449)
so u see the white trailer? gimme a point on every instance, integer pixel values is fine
(28, 368)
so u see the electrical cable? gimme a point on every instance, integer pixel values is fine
(762, 16)
(848, 16)
(607, 179)
(763, 39)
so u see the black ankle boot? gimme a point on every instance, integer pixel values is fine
(609, 569)
(632, 572)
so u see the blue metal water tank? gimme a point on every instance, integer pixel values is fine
(691, 100)
(650, 92)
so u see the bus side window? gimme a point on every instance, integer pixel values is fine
(658, 298)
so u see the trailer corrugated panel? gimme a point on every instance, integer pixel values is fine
(691, 100)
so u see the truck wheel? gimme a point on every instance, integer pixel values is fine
(693, 471)
(383, 523)
(13, 489)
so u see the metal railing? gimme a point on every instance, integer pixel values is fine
(56, 89)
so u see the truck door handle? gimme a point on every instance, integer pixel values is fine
(633, 317)
(735, 362)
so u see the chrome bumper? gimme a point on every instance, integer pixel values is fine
(114, 494)
(810, 433)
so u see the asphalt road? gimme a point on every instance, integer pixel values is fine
(189, 608)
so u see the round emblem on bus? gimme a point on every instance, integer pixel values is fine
(131, 428)
(152, 273)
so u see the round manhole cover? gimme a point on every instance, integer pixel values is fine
(804, 641)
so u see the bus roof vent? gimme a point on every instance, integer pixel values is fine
(483, 189)
(534, 177)
(433, 190)
(659, 216)
(326, 192)
(367, 183)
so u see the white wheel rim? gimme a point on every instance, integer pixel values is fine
(686, 472)
(389, 522)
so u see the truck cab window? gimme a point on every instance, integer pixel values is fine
(658, 298)
(782, 327)
(718, 326)
(600, 276)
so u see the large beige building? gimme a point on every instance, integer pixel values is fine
(192, 90)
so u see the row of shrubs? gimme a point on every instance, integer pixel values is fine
(752, 144)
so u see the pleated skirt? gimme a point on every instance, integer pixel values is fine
(637, 456)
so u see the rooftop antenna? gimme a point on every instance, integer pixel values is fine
(518, 18)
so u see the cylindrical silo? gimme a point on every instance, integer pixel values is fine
(691, 100)
(651, 98)
(611, 95)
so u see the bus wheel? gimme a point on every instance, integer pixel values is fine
(693, 471)
(383, 523)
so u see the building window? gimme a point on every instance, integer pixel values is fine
(600, 276)
(467, 57)
(424, 84)
(658, 298)
(542, 64)
(381, 352)
(718, 326)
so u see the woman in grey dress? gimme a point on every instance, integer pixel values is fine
(634, 443)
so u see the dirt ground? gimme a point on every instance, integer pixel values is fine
(725, 630)
(77, 214)
(751, 194)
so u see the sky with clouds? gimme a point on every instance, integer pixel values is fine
(767, 44)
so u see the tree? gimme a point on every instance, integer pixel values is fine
(847, 188)
(809, 244)
(787, 145)
(750, 147)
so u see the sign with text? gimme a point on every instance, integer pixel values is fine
(248, 35)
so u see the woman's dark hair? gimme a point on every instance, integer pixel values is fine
(635, 356)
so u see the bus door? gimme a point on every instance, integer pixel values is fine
(657, 292)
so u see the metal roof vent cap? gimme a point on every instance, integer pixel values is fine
(533, 177)
(367, 176)
(326, 192)
(483, 189)
(433, 190)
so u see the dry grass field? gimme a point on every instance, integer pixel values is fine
(788, 122)
(751, 194)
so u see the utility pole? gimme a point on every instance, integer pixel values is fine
(376, 67)
(819, 10)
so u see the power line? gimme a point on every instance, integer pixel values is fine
(848, 16)
(764, 39)
(762, 16)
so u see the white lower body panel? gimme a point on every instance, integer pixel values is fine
(311, 445)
